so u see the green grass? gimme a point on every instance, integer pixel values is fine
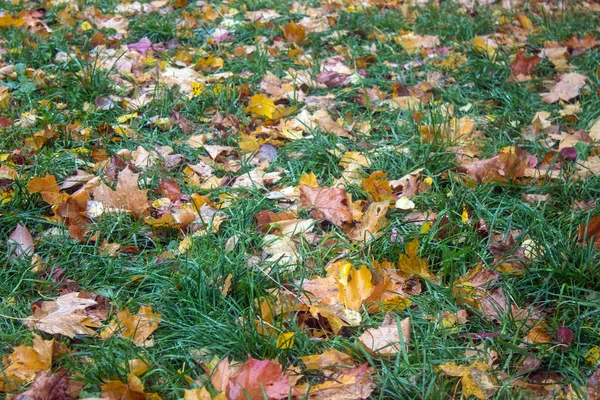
(201, 324)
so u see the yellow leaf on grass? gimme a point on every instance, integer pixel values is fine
(285, 340)
(593, 355)
(524, 21)
(475, 379)
(309, 180)
(411, 264)
(484, 45)
(140, 326)
(7, 21)
(25, 362)
(358, 289)
(261, 106)
(197, 394)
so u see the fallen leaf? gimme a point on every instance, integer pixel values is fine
(126, 196)
(25, 362)
(330, 204)
(372, 222)
(329, 358)
(55, 386)
(20, 242)
(132, 390)
(591, 231)
(293, 32)
(65, 315)
(567, 88)
(522, 66)
(261, 106)
(356, 287)
(140, 326)
(47, 188)
(475, 380)
(385, 340)
(350, 384)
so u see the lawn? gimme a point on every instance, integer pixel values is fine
(325, 199)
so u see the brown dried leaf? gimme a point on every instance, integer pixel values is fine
(326, 203)
(54, 386)
(591, 231)
(67, 315)
(126, 196)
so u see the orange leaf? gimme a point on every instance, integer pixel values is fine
(293, 32)
(377, 186)
(140, 326)
(48, 189)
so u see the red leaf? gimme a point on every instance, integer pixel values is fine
(523, 65)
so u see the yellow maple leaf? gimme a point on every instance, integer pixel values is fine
(261, 106)
(309, 180)
(411, 264)
(358, 288)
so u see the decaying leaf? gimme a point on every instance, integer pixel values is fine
(20, 242)
(567, 88)
(474, 378)
(330, 204)
(127, 196)
(67, 315)
(22, 365)
(385, 340)
(55, 386)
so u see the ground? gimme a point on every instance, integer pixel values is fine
(323, 199)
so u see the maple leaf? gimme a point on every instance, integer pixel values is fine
(140, 326)
(329, 358)
(66, 316)
(47, 188)
(522, 66)
(126, 196)
(132, 390)
(293, 32)
(507, 165)
(378, 187)
(251, 380)
(410, 263)
(330, 204)
(349, 384)
(474, 378)
(25, 362)
(55, 386)
(372, 222)
(567, 88)
(356, 287)
(261, 106)
(385, 340)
